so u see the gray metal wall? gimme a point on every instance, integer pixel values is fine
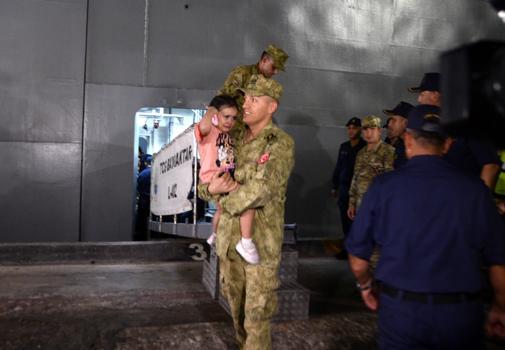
(41, 109)
(74, 72)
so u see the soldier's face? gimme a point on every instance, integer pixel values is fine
(371, 135)
(353, 132)
(267, 67)
(257, 109)
(226, 118)
(396, 126)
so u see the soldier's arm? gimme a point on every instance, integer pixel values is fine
(259, 190)
(203, 192)
(389, 160)
(353, 190)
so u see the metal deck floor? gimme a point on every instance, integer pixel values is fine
(163, 306)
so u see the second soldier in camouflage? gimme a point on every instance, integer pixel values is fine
(374, 159)
(272, 61)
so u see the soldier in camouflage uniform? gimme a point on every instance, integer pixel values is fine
(374, 159)
(265, 156)
(271, 62)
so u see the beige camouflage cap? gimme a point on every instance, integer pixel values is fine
(279, 56)
(258, 85)
(371, 121)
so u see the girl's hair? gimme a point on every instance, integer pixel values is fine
(221, 101)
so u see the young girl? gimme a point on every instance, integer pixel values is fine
(215, 147)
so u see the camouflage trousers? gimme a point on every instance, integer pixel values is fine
(251, 292)
(374, 259)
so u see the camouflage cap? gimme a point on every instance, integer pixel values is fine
(278, 55)
(371, 121)
(258, 85)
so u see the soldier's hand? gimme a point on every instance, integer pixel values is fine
(221, 183)
(211, 111)
(351, 213)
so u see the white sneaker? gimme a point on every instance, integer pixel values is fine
(248, 254)
(212, 239)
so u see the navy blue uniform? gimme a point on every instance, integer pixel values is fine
(342, 178)
(435, 227)
(143, 204)
(400, 156)
(471, 155)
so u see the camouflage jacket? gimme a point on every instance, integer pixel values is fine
(263, 168)
(238, 78)
(368, 165)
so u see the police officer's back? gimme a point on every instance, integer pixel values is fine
(470, 155)
(436, 227)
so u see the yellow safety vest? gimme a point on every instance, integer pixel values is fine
(500, 184)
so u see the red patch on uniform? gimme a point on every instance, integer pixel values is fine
(264, 158)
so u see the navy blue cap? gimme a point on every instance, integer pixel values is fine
(430, 82)
(354, 121)
(146, 158)
(402, 109)
(425, 118)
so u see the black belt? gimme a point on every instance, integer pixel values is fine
(428, 298)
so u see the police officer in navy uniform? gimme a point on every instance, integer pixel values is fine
(473, 156)
(396, 125)
(344, 170)
(476, 157)
(428, 90)
(436, 228)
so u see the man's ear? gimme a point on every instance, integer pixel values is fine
(436, 96)
(272, 106)
(447, 144)
(408, 139)
(405, 122)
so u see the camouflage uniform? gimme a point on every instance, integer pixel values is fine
(369, 164)
(263, 168)
(240, 76)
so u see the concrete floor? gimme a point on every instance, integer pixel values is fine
(163, 305)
